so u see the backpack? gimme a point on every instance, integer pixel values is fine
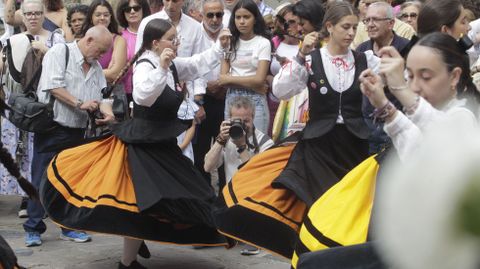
(14, 55)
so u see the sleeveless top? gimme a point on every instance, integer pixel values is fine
(326, 104)
(157, 123)
(49, 25)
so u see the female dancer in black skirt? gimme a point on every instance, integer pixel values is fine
(332, 143)
(137, 183)
(334, 139)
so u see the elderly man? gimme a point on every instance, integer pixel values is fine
(193, 9)
(75, 93)
(379, 20)
(214, 99)
(401, 28)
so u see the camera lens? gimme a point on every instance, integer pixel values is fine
(236, 129)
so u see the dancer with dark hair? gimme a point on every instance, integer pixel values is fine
(142, 180)
(290, 177)
(437, 93)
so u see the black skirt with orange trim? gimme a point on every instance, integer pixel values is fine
(145, 191)
(250, 210)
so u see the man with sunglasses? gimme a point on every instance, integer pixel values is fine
(401, 28)
(214, 99)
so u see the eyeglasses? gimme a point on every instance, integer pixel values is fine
(33, 13)
(210, 15)
(106, 15)
(412, 15)
(374, 20)
(175, 41)
(132, 8)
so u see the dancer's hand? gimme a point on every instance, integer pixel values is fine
(166, 57)
(371, 86)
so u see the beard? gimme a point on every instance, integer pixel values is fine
(213, 29)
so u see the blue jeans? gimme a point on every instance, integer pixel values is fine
(40, 162)
(259, 101)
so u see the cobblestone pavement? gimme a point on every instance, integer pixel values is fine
(105, 251)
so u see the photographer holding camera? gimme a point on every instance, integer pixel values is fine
(236, 142)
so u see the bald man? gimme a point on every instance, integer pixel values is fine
(74, 84)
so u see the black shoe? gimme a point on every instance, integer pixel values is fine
(143, 251)
(133, 265)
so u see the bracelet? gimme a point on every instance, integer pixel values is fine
(220, 141)
(300, 58)
(397, 89)
(385, 112)
(411, 109)
(241, 149)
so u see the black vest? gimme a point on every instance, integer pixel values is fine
(157, 123)
(166, 106)
(325, 103)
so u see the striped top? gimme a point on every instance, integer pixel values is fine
(85, 87)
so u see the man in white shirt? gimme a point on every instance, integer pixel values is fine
(234, 151)
(75, 81)
(214, 99)
(236, 143)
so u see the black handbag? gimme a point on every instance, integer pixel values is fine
(120, 102)
(27, 113)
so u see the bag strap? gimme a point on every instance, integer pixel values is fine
(144, 60)
(16, 75)
(175, 74)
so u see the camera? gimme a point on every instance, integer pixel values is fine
(237, 129)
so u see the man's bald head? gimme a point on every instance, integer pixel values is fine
(95, 43)
(101, 34)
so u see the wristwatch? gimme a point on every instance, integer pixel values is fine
(79, 103)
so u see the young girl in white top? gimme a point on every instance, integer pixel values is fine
(244, 71)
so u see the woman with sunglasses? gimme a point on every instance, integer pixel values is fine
(409, 13)
(112, 62)
(143, 182)
(129, 14)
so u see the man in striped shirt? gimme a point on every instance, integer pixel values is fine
(75, 81)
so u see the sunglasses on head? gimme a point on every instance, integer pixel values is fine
(210, 15)
(130, 8)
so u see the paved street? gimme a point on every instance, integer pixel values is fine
(105, 251)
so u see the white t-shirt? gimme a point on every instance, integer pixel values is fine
(248, 54)
(283, 50)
